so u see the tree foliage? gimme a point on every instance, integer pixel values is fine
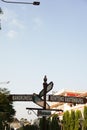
(30, 127)
(55, 122)
(52, 123)
(85, 117)
(6, 108)
(72, 120)
(66, 121)
(78, 115)
(41, 124)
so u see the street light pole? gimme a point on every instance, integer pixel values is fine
(20, 2)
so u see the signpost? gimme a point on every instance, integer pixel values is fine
(49, 87)
(42, 99)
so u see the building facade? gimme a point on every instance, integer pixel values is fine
(68, 106)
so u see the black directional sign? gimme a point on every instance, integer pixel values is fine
(43, 112)
(49, 87)
(67, 99)
(20, 97)
(51, 98)
(36, 99)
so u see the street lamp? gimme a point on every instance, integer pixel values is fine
(21, 2)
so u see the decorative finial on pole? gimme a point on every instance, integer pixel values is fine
(45, 79)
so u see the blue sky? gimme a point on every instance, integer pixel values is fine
(50, 39)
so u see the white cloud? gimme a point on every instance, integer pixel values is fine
(17, 23)
(12, 23)
(12, 34)
(37, 23)
(8, 15)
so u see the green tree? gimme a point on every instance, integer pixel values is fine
(85, 117)
(66, 121)
(29, 127)
(41, 124)
(72, 120)
(6, 108)
(55, 123)
(78, 115)
(49, 123)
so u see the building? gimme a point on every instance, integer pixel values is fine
(15, 124)
(68, 106)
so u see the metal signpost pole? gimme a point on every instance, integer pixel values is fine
(44, 107)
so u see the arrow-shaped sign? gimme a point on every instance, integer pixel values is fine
(49, 87)
(36, 99)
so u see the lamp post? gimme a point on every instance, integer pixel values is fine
(21, 2)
